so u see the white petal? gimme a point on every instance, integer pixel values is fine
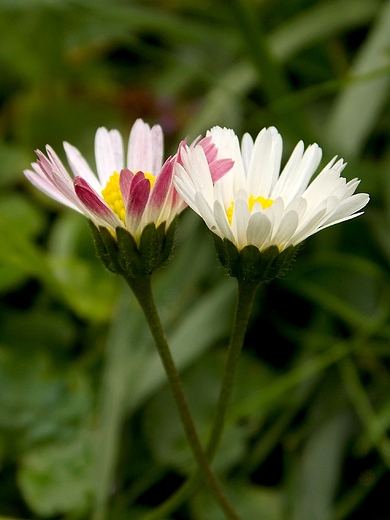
(265, 162)
(351, 187)
(117, 148)
(241, 216)
(299, 205)
(205, 211)
(104, 155)
(80, 167)
(222, 222)
(229, 147)
(348, 207)
(309, 228)
(196, 169)
(286, 229)
(145, 148)
(275, 213)
(322, 187)
(297, 172)
(246, 150)
(157, 139)
(185, 187)
(259, 227)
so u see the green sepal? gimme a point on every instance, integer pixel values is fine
(149, 248)
(221, 253)
(111, 248)
(267, 262)
(101, 250)
(129, 257)
(122, 255)
(251, 264)
(169, 241)
(284, 260)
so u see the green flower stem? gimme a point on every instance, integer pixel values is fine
(141, 286)
(246, 293)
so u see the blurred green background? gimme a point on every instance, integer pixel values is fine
(87, 426)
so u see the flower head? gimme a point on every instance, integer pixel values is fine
(127, 193)
(256, 205)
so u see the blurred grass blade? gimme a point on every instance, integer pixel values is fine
(198, 329)
(319, 468)
(222, 103)
(339, 307)
(358, 106)
(323, 20)
(121, 350)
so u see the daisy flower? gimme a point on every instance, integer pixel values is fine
(255, 204)
(127, 193)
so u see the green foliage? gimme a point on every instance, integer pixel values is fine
(87, 425)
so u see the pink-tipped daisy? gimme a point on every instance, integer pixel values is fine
(127, 192)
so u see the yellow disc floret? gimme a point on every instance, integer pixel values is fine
(112, 195)
(229, 212)
(151, 178)
(265, 203)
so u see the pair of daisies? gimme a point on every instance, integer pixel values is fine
(237, 189)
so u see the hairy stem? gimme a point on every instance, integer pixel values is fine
(246, 292)
(141, 286)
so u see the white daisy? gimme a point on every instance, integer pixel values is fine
(255, 204)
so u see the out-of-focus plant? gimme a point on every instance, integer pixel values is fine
(86, 426)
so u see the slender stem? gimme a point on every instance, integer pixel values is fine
(141, 286)
(246, 293)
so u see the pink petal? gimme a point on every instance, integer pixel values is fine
(56, 174)
(139, 195)
(162, 185)
(220, 167)
(91, 200)
(57, 165)
(209, 148)
(179, 155)
(125, 180)
(138, 177)
(44, 184)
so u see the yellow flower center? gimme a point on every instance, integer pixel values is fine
(152, 179)
(113, 196)
(265, 203)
